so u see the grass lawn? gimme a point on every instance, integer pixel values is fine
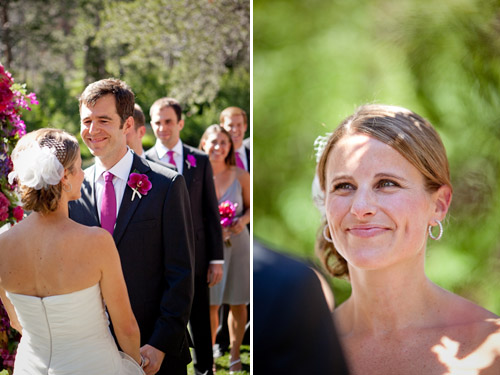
(222, 363)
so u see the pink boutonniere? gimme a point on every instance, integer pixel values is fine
(191, 161)
(140, 184)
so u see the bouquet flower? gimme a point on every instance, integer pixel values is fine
(13, 99)
(227, 211)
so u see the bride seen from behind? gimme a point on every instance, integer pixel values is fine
(51, 263)
(385, 186)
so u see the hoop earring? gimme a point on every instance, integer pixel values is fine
(438, 237)
(70, 187)
(327, 239)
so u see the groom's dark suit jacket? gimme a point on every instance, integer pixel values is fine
(154, 236)
(208, 246)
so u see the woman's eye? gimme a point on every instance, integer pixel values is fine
(343, 186)
(387, 183)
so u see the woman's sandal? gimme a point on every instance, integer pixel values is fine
(233, 363)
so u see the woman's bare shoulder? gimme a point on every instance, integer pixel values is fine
(473, 325)
(242, 175)
(89, 237)
(471, 346)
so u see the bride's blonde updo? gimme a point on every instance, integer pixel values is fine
(32, 157)
(406, 132)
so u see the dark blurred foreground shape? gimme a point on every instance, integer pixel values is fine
(293, 326)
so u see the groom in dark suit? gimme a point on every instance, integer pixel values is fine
(152, 230)
(166, 121)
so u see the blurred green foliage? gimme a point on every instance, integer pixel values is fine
(316, 61)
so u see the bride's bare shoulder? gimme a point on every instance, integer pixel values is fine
(90, 236)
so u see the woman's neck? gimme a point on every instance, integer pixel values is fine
(386, 300)
(61, 212)
(219, 167)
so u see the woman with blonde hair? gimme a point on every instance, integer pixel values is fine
(385, 186)
(55, 273)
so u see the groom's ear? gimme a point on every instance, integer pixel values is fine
(128, 124)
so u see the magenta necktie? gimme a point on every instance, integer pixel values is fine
(239, 162)
(171, 158)
(108, 205)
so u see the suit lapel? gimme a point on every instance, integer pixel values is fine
(187, 172)
(152, 154)
(128, 206)
(247, 153)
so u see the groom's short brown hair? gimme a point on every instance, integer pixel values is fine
(124, 97)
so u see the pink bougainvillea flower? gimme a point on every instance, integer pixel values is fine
(18, 213)
(4, 207)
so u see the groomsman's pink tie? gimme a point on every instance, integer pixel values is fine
(239, 162)
(171, 158)
(108, 205)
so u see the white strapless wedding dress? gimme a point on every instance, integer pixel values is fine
(68, 334)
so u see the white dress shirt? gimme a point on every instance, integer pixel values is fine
(121, 172)
(161, 150)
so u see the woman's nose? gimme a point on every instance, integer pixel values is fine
(363, 203)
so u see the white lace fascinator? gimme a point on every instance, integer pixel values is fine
(318, 195)
(38, 166)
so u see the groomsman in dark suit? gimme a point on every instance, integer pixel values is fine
(167, 123)
(152, 229)
(234, 120)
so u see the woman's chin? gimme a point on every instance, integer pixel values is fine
(370, 258)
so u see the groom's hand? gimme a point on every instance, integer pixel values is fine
(214, 275)
(155, 357)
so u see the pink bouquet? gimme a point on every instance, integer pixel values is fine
(227, 211)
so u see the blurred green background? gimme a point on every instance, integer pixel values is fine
(316, 61)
